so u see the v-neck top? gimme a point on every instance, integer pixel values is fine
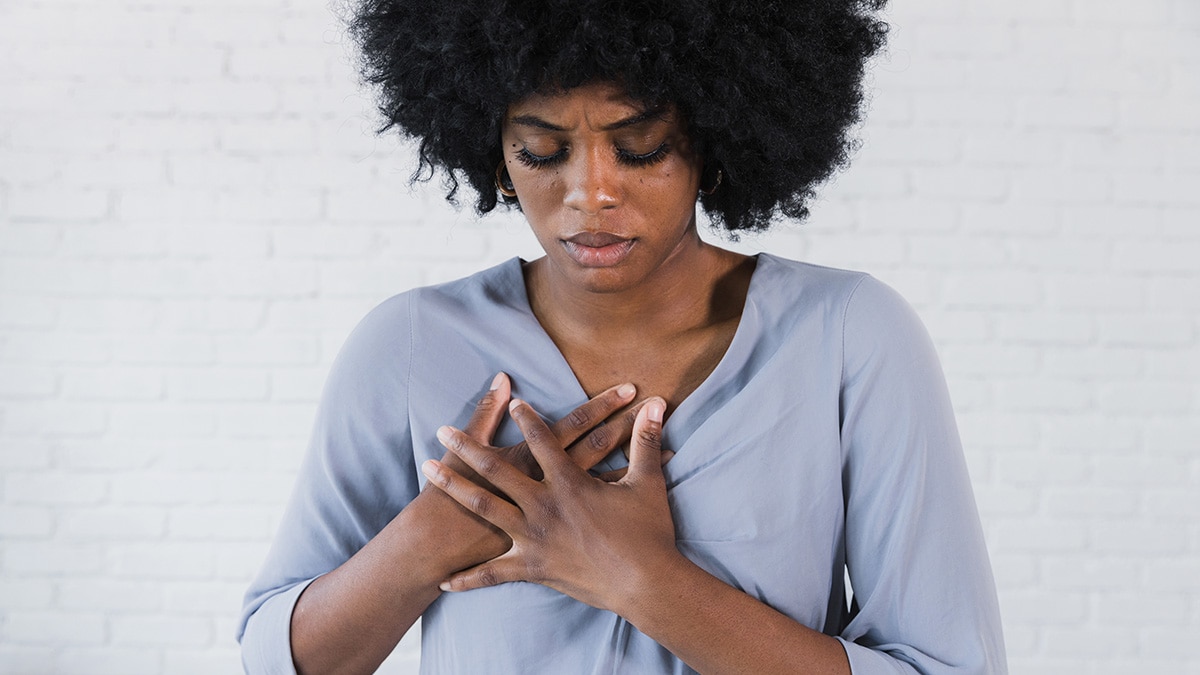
(822, 446)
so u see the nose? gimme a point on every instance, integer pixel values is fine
(593, 180)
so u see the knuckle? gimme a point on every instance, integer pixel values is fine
(488, 576)
(488, 465)
(650, 437)
(481, 503)
(579, 418)
(600, 438)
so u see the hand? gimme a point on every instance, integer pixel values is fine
(582, 536)
(591, 431)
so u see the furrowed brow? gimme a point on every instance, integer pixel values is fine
(539, 123)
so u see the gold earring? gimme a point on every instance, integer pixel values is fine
(504, 186)
(715, 185)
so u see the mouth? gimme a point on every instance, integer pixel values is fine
(598, 249)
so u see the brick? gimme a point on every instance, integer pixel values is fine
(240, 561)
(991, 289)
(1088, 502)
(1087, 572)
(25, 593)
(1095, 291)
(157, 630)
(1045, 328)
(109, 595)
(274, 420)
(112, 384)
(54, 488)
(109, 242)
(23, 382)
(273, 206)
(1039, 607)
(1041, 468)
(207, 242)
(1074, 111)
(200, 662)
(25, 522)
(1008, 219)
(1135, 610)
(165, 560)
(1152, 398)
(1173, 504)
(108, 523)
(1101, 642)
(221, 384)
(164, 350)
(54, 627)
(244, 523)
(108, 660)
(1157, 471)
(1091, 433)
(1132, 537)
(1061, 187)
(51, 559)
(59, 205)
(23, 311)
(209, 315)
(25, 453)
(204, 597)
(163, 487)
(1146, 330)
(1129, 151)
(279, 63)
(917, 215)
(39, 239)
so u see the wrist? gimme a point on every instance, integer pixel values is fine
(651, 582)
(447, 536)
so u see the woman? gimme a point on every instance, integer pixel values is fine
(811, 432)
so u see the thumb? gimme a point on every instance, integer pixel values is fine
(645, 448)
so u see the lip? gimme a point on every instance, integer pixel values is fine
(598, 249)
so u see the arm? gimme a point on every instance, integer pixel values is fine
(358, 550)
(914, 545)
(349, 620)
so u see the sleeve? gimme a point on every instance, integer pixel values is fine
(357, 475)
(924, 597)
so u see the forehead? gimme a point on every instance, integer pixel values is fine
(595, 106)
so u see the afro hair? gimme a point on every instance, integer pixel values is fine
(769, 90)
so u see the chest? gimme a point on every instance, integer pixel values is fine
(671, 368)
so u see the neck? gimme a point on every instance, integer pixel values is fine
(690, 290)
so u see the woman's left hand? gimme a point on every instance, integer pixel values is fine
(596, 541)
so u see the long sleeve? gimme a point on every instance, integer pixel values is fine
(924, 597)
(357, 475)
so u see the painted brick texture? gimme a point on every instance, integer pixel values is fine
(194, 212)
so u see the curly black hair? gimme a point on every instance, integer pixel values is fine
(769, 89)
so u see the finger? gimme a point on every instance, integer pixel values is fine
(496, 571)
(490, 410)
(604, 439)
(473, 498)
(584, 418)
(645, 448)
(614, 475)
(542, 441)
(488, 464)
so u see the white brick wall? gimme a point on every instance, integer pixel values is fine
(194, 213)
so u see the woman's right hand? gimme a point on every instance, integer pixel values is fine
(589, 432)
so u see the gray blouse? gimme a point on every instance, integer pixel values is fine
(822, 445)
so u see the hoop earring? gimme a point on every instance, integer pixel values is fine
(504, 186)
(716, 184)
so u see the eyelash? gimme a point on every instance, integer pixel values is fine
(627, 158)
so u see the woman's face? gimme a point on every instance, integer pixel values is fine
(608, 185)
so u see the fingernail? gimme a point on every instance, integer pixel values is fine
(654, 410)
(429, 468)
(512, 405)
(445, 585)
(496, 381)
(443, 434)
(626, 390)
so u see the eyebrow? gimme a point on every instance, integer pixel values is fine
(539, 123)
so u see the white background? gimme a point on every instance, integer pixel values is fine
(194, 212)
